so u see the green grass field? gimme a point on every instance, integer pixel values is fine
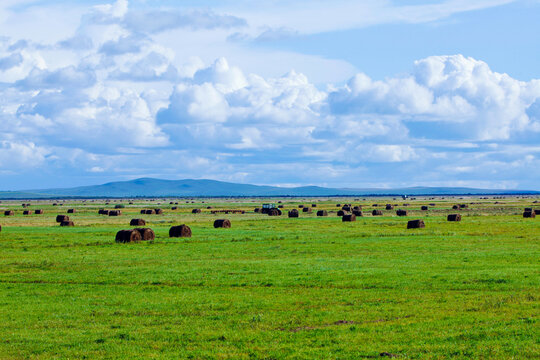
(272, 287)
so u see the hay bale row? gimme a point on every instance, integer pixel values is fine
(322, 213)
(306, 210)
(401, 212)
(358, 213)
(274, 212)
(103, 212)
(377, 213)
(115, 212)
(348, 218)
(135, 235)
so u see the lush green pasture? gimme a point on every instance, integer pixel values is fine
(272, 287)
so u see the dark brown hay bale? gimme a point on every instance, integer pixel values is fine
(322, 213)
(55, 204)
(375, 205)
(115, 213)
(455, 207)
(313, 205)
(143, 211)
(39, 212)
(274, 212)
(529, 214)
(432, 204)
(537, 212)
(402, 212)
(376, 213)
(180, 231)
(406, 204)
(306, 210)
(293, 213)
(208, 207)
(463, 206)
(348, 218)
(147, 234)
(67, 223)
(119, 206)
(341, 213)
(103, 212)
(9, 213)
(346, 208)
(137, 222)
(300, 206)
(280, 206)
(128, 236)
(338, 205)
(454, 217)
(158, 211)
(528, 209)
(27, 212)
(60, 218)
(424, 208)
(389, 207)
(358, 213)
(357, 208)
(222, 223)
(71, 211)
(416, 224)
(149, 212)
(174, 208)
(257, 210)
(196, 211)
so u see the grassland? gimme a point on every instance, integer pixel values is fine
(272, 287)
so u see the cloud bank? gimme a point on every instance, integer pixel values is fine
(109, 99)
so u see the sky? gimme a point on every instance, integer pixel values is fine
(363, 93)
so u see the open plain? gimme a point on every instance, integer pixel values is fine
(272, 287)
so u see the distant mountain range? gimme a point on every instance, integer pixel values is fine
(147, 187)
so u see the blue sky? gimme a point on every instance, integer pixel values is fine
(365, 93)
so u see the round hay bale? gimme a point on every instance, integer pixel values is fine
(9, 213)
(454, 217)
(424, 208)
(455, 207)
(280, 206)
(346, 208)
(341, 213)
(463, 206)
(222, 223)
(357, 208)
(348, 218)
(60, 218)
(147, 234)
(338, 205)
(196, 211)
(376, 213)
(313, 205)
(180, 231)
(537, 212)
(143, 211)
(306, 210)
(67, 223)
(158, 211)
(115, 212)
(71, 211)
(401, 212)
(39, 212)
(103, 212)
(416, 224)
(174, 208)
(27, 212)
(128, 236)
(358, 213)
(293, 213)
(137, 222)
(149, 212)
(274, 212)
(389, 207)
(322, 213)
(300, 206)
(529, 214)
(119, 206)
(528, 209)
(257, 210)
